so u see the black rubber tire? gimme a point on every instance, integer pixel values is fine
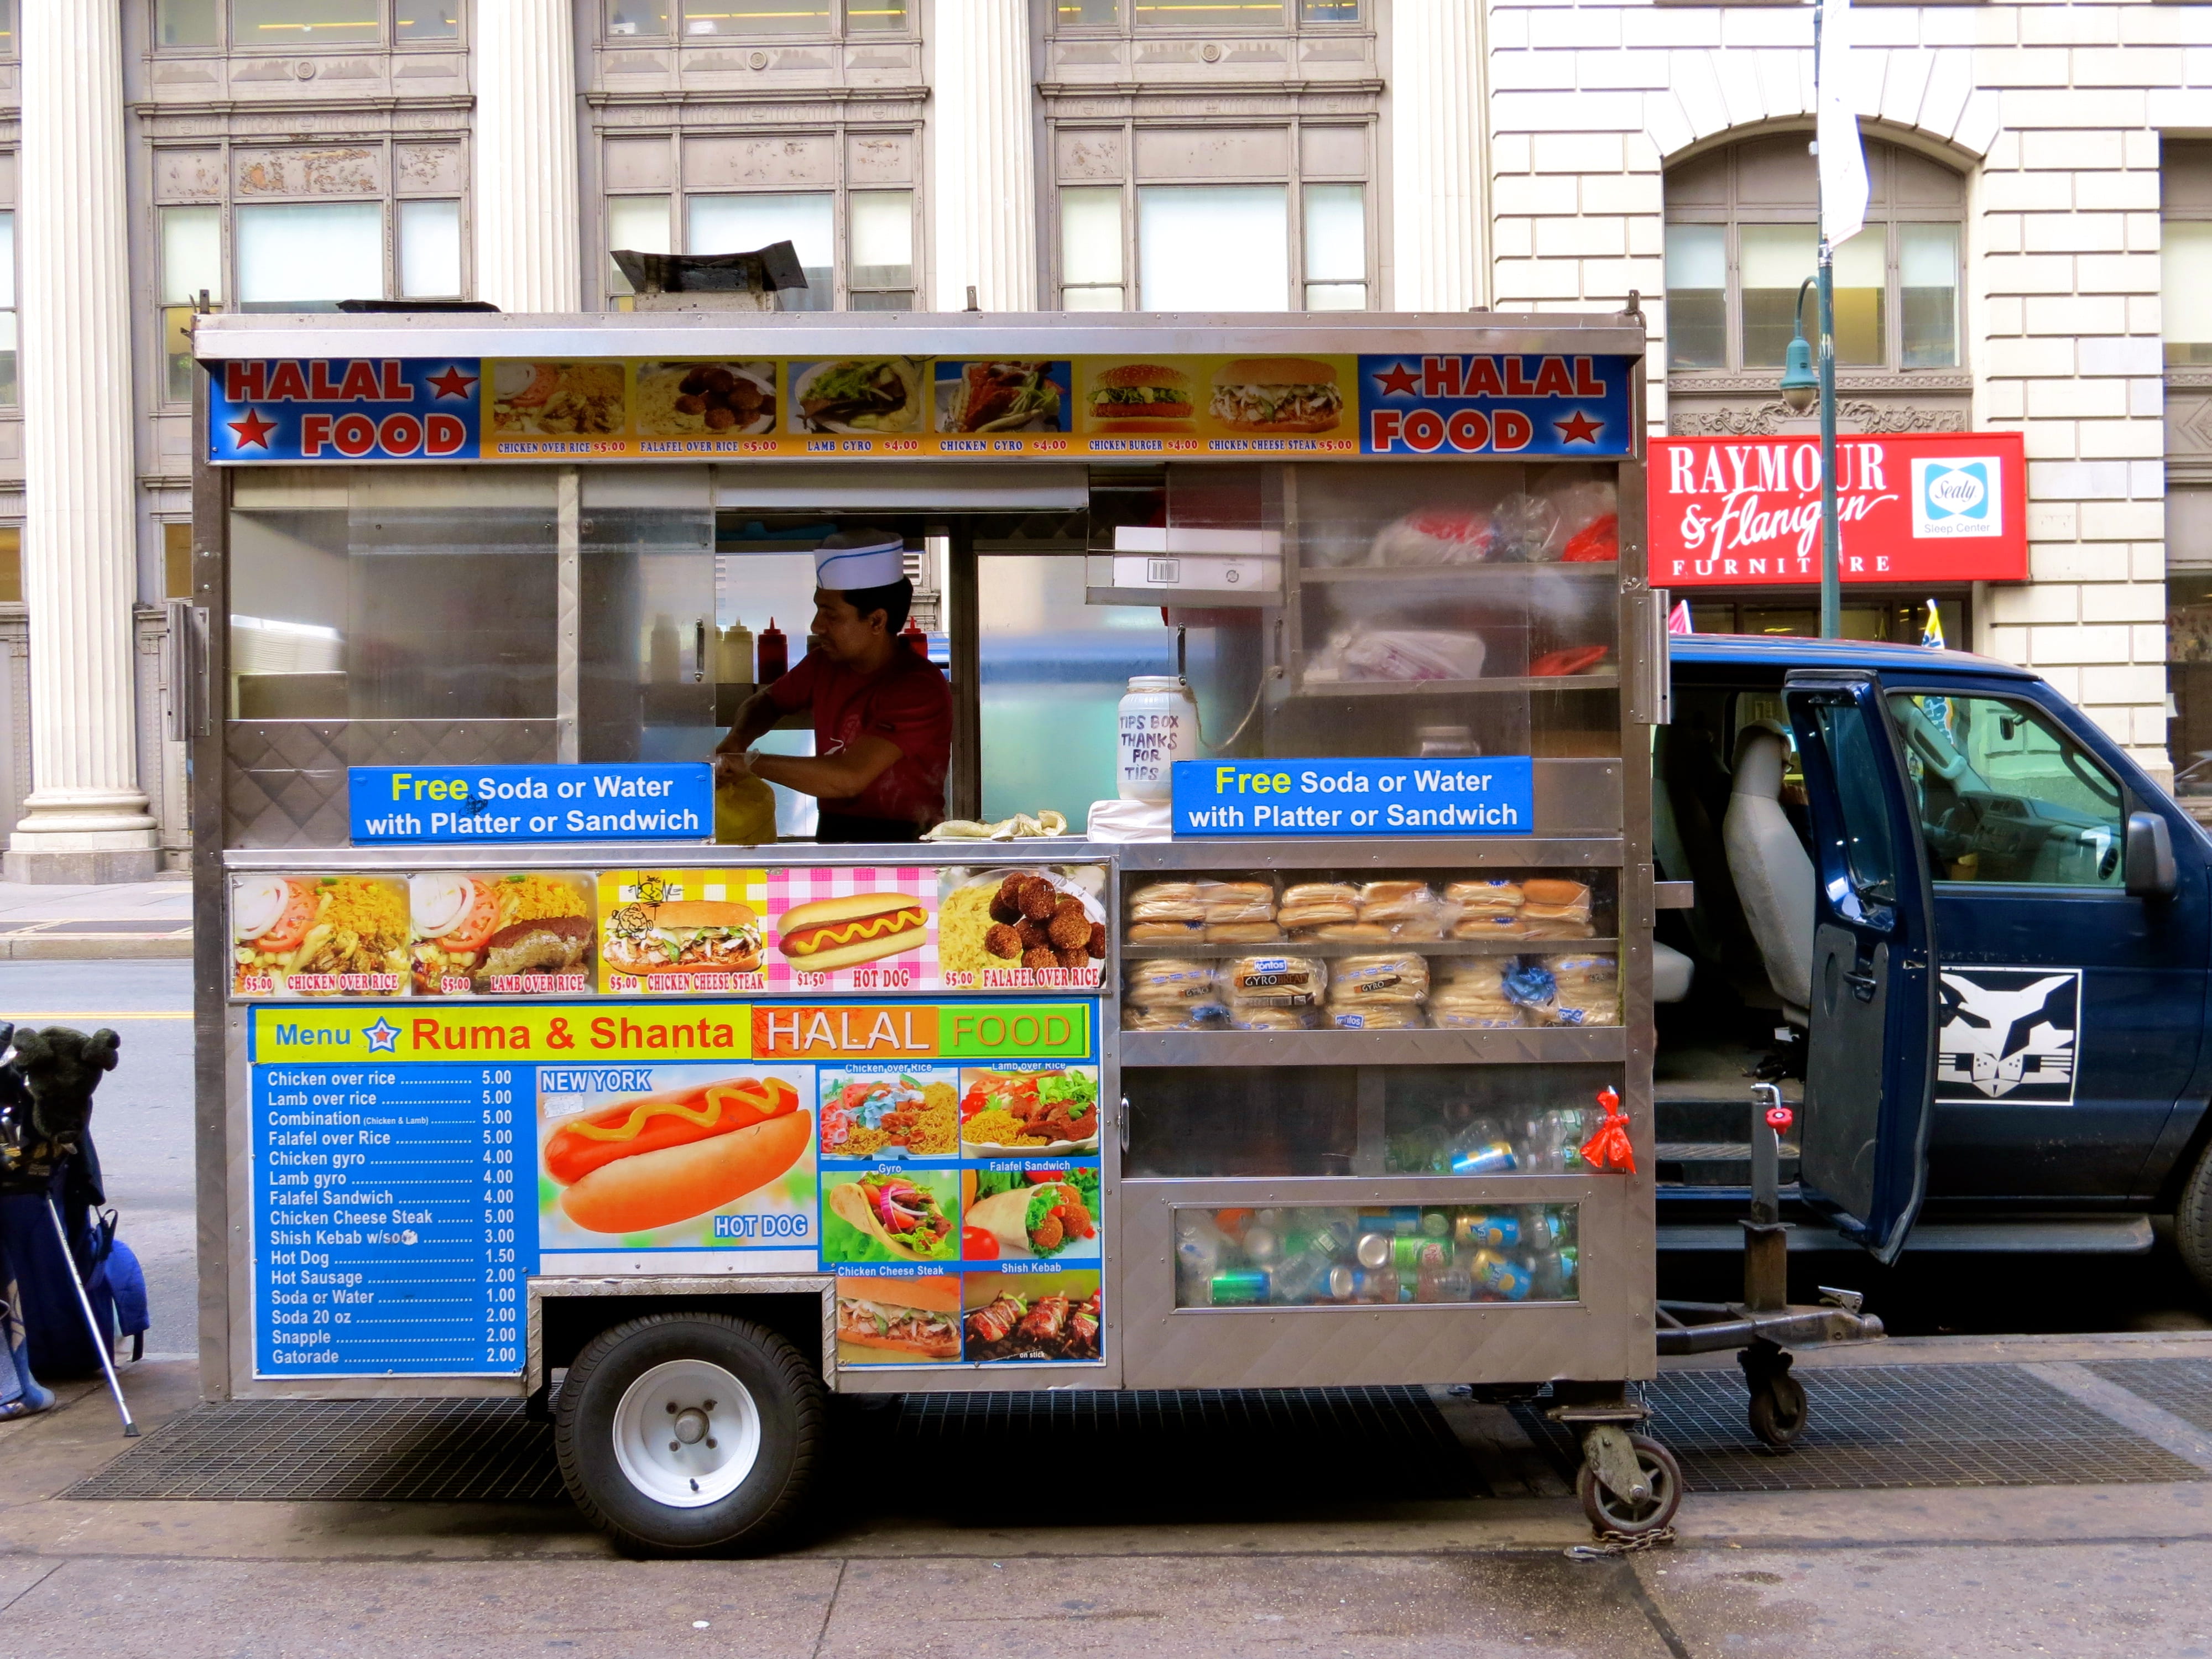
(1778, 1410)
(2192, 1222)
(1606, 1511)
(751, 1520)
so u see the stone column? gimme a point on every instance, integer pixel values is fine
(982, 171)
(528, 257)
(1438, 110)
(85, 818)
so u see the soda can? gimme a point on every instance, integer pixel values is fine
(1421, 1252)
(1506, 1278)
(1481, 1231)
(1375, 1250)
(1343, 1282)
(1569, 1270)
(1436, 1223)
(1238, 1287)
(1262, 1246)
(1488, 1157)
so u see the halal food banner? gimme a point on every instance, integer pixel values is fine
(1409, 405)
(667, 933)
(411, 1169)
(1922, 508)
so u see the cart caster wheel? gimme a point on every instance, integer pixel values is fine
(1610, 1512)
(692, 1433)
(1777, 1411)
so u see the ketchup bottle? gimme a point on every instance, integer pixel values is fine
(774, 653)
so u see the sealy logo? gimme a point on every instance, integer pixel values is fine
(1953, 498)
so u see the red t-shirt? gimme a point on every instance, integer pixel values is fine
(908, 701)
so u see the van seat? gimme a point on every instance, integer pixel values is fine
(1773, 873)
(1671, 973)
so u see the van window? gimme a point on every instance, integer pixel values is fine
(2006, 795)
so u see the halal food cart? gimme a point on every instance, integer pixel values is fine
(1322, 1058)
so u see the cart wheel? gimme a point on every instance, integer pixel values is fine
(1606, 1511)
(681, 1434)
(1778, 1410)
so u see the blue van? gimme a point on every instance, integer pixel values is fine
(1969, 934)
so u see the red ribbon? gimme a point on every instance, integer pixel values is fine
(1608, 1149)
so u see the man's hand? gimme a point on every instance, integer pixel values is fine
(730, 764)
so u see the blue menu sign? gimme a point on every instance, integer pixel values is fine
(411, 804)
(1490, 796)
(384, 1240)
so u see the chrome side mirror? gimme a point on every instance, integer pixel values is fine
(2150, 857)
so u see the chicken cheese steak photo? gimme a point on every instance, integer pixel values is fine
(503, 934)
(883, 1321)
(318, 936)
(840, 933)
(1034, 1316)
(685, 937)
(656, 1159)
(892, 1216)
(1031, 1214)
(1138, 397)
(1276, 394)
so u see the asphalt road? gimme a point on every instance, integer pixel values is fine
(142, 1123)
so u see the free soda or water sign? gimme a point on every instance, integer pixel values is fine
(1494, 795)
(411, 804)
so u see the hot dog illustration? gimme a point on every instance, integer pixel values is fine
(655, 1159)
(839, 932)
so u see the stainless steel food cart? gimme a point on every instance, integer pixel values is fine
(495, 561)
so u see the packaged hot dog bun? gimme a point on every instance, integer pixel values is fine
(1397, 976)
(1548, 890)
(1170, 982)
(1485, 898)
(1165, 933)
(1317, 904)
(658, 1159)
(1392, 892)
(1237, 901)
(1167, 900)
(1243, 933)
(1377, 1017)
(837, 932)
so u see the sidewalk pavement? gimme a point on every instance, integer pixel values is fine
(97, 924)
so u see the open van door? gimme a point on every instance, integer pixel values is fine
(1870, 1076)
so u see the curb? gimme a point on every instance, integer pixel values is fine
(92, 947)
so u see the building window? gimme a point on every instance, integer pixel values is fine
(880, 273)
(309, 256)
(7, 392)
(635, 224)
(1215, 247)
(429, 250)
(302, 24)
(876, 272)
(738, 224)
(2186, 243)
(1221, 16)
(1741, 237)
(192, 268)
(176, 561)
(715, 19)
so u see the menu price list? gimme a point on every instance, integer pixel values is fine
(384, 1218)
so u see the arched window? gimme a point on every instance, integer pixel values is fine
(1741, 234)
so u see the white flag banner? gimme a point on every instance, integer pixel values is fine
(1843, 161)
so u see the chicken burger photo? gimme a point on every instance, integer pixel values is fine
(1141, 398)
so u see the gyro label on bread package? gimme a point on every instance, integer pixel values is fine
(1412, 404)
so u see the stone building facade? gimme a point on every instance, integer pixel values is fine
(2038, 257)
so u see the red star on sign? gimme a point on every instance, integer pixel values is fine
(1398, 380)
(453, 383)
(1579, 428)
(253, 429)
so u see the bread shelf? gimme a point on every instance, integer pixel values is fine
(1529, 1045)
(1329, 949)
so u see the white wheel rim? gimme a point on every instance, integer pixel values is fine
(687, 1433)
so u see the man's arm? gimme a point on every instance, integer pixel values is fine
(757, 717)
(831, 777)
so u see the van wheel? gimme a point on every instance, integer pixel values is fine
(2192, 1222)
(683, 1434)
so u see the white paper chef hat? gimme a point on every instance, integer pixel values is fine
(860, 558)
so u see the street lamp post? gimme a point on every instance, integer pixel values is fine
(1800, 387)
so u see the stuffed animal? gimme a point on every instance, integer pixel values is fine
(46, 1100)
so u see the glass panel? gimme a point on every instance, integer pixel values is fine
(646, 693)
(740, 224)
(2186, 261)
(1209, 14)
(1053, 673)
(1928, 293)
(635, 224)
(308, 257)
(1336, 296)
(176, 561)
(1318, 1256)
(864, 16)
(1090, 236)
(1861, 284)
(11, 564)
(1772, 261)
(2188, 672)
(427, 19)
(1860, 622)
(1336, 232)
(1697, 296)
(756, 17)
(192, 253)
(177, 353)
(1213, 247)
(1086, 14)
(430, 249)
(2004, 795)
(764, 590)
(1868, 849)
(1091, 299)
(180, 23)
(7, 28)
(637, 17)
(8, 388)
(1328, 11)
(881, 237)
(296, 23)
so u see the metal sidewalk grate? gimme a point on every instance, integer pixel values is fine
(2183, 1386)
(453, 1451)
(1877, 1426)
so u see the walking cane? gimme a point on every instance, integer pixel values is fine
(91, 1320)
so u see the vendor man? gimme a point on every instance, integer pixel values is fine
(882, 711)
